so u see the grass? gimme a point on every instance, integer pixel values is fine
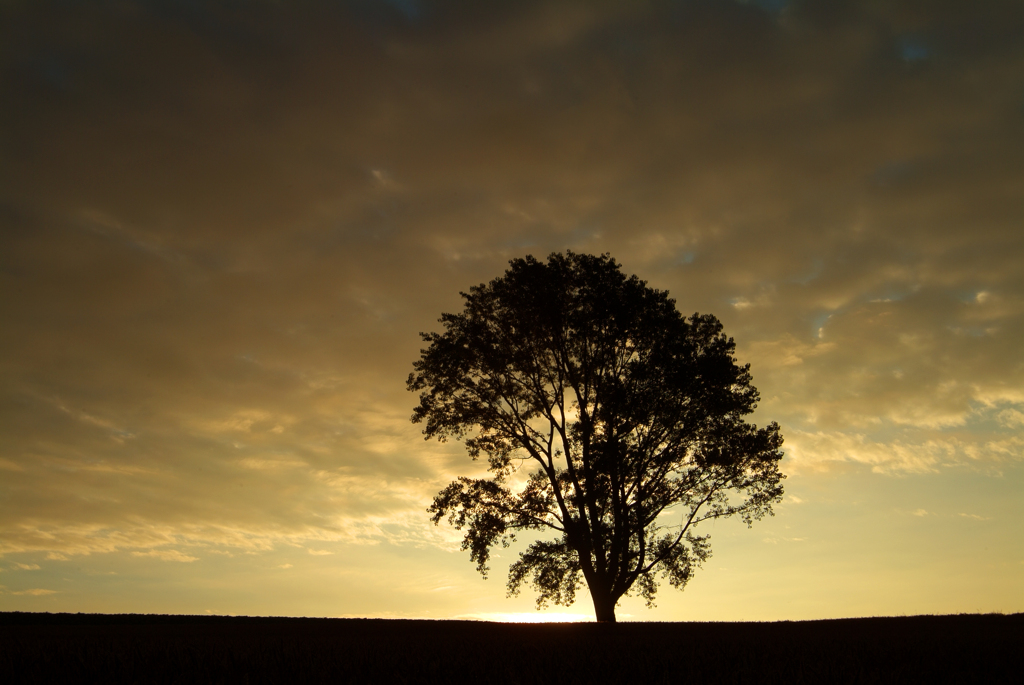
(219, 649)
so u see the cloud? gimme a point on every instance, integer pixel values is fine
(812, 449)
(1011, 418)
(62, 540)
(8, 465)
(35, 592)
(815, 451)
(214, 272)
(167, 555)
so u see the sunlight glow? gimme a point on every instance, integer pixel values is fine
(530, 617)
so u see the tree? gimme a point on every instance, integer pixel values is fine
(607, 419)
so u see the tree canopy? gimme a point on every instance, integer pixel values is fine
(608, 420)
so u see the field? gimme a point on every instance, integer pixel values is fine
(220, 649)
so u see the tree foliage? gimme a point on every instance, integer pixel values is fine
(607, 419)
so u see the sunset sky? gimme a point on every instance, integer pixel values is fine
(223, 225)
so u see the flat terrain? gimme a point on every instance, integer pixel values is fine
(215, 649)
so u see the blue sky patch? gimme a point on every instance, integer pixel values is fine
(913, 49)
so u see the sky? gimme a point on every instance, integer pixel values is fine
(223, 225)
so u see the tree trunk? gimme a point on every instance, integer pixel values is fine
(604, 607)
(600, 591)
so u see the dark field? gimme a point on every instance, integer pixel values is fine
(215, 649)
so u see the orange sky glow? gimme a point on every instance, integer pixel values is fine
(223, 224)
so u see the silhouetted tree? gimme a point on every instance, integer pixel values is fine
(607, 418)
